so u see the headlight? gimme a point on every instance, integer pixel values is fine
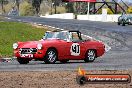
(15, 46)
(39, 46)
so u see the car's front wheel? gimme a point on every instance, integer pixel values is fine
(90, 56)
(51, 56)
(23, 61)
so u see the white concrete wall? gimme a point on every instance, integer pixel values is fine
(61, 16)
(108, 18)
(100, 17)
(112, 18)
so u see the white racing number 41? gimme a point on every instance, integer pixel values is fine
(75, 49)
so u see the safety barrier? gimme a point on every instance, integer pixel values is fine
(60, 16)
(99, 17)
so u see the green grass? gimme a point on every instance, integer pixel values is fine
(11, 32)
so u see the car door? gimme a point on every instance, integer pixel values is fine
(76, 48)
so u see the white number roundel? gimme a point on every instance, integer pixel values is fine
(75, 49)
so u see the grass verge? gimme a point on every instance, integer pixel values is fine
(11, 32)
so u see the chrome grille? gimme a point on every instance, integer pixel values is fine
(27, 50)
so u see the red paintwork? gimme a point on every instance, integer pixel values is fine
(62, 47)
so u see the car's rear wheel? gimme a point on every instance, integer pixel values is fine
(51, 56)
(123, 24)
(118, 23)
(90, 56)
(64, 61)
(23, 61)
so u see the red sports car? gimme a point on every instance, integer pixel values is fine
(59, 46)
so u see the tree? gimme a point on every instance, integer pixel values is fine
(56, 3)
(26, 9)
(129, 10)
(36, 5)
(2, 5)
(70, 7)
(17, 4)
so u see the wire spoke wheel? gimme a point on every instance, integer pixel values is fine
(51, 56)
(90, 56)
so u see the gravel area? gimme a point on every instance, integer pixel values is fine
(53, 79)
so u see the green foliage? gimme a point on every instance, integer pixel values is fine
(100, 11)
(129, 10)
(26, 9)
(2, 6)
(36, 5)
(11, 32)
(8, 7)
(108, 11)
(70, 7)
(59, 10)
(4, 1)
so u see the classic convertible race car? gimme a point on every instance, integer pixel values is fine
(124, 19)
(59, 46)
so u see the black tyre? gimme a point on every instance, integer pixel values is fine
(118, 23)
(51, 56)
(123, 24)
(64, 61)
(23, 61)
(90, 56)
(81, 80)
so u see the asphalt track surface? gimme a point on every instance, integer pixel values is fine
(119, 38)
